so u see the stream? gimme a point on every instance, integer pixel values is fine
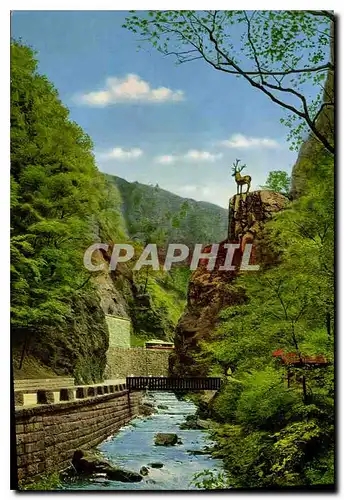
(133, 447)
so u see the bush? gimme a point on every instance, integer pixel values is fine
(225, 404)
(265, 399)
(246, 455)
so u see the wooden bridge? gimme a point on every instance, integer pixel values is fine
(174, 383)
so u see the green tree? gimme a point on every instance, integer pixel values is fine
(289, 306)
(270, 433)
(278, 181)
(280, 54)
(60, 203)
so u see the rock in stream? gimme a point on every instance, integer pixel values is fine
(166, 439)
(85, 462)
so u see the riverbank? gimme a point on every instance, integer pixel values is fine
(133, 448)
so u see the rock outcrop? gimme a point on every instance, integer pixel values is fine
(88, 463)
(249, 213)
(211, 291)
(166, 439)
(146, 409)
(193, 422)
(311, 151)
(156, 465)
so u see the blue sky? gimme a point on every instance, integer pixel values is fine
(153, 121)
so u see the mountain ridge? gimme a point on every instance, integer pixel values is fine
(183, 220)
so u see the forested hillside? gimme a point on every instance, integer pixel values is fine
(272, 432)
(154, 214)
(273, 419)
(60, 204)
(275, 414)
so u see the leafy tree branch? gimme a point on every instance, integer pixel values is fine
(276, 46)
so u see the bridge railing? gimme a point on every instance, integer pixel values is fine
(174, 383)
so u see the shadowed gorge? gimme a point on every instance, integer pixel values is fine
(61, 204)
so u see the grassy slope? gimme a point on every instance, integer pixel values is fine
(32, 368)
(156, 311)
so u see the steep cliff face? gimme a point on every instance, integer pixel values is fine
(249, 213)
(115, 290)
(211, 291)
(78, 348)
(150, 311)
(311, 150)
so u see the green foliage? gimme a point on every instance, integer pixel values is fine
(156, 311)
(45, 482)
(278, 181)
(265, 399)
(271, 434)
(279, 52)
(225, 404)
(210, 480)
(290, 448)
(246, 455)
(321, 471)
(179, 278)
(60, 204)
(258, 400)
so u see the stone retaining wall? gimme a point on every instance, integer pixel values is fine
(119, 331)
(137, 361)
(47, 435)
(47, 383)
(41, 395)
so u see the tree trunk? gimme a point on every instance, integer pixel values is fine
(288, 378)
(146, 283)
(25, 345)
(304, 389)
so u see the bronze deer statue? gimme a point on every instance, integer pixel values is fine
(240, 180)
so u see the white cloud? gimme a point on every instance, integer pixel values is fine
(191, 155)
(129, 89)
(121, 154)
(166, 159)
(196, 155)
(239, 141)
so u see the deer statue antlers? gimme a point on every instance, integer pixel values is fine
(239, 179)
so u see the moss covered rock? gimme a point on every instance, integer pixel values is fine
(88, 463)
(165, 439)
